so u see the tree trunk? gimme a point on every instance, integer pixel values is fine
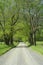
(11, 36)
(35, 38)
(6, 39)
(31, 39)
(11, 39)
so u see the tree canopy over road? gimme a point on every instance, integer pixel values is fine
(21, 20)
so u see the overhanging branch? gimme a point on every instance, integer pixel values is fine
(12, 18)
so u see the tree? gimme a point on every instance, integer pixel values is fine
(13, 22)
(32, 15)
(8, 37)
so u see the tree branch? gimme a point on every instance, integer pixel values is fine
(13, 23)
(2, 26)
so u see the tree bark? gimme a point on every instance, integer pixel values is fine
(35, 38)
(31, 39)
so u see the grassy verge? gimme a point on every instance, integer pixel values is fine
(4, 48)
(38, 48)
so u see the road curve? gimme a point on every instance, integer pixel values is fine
(20, 55)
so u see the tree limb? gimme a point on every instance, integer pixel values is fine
(1, 26)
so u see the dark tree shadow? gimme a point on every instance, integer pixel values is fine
(23, 46)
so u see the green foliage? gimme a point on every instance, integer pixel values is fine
(27, 14)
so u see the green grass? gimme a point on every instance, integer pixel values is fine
(4, 48)
(38, 48)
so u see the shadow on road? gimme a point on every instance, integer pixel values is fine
(23, 46)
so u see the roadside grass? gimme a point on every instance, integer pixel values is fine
(38, 48)
(5, 48)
